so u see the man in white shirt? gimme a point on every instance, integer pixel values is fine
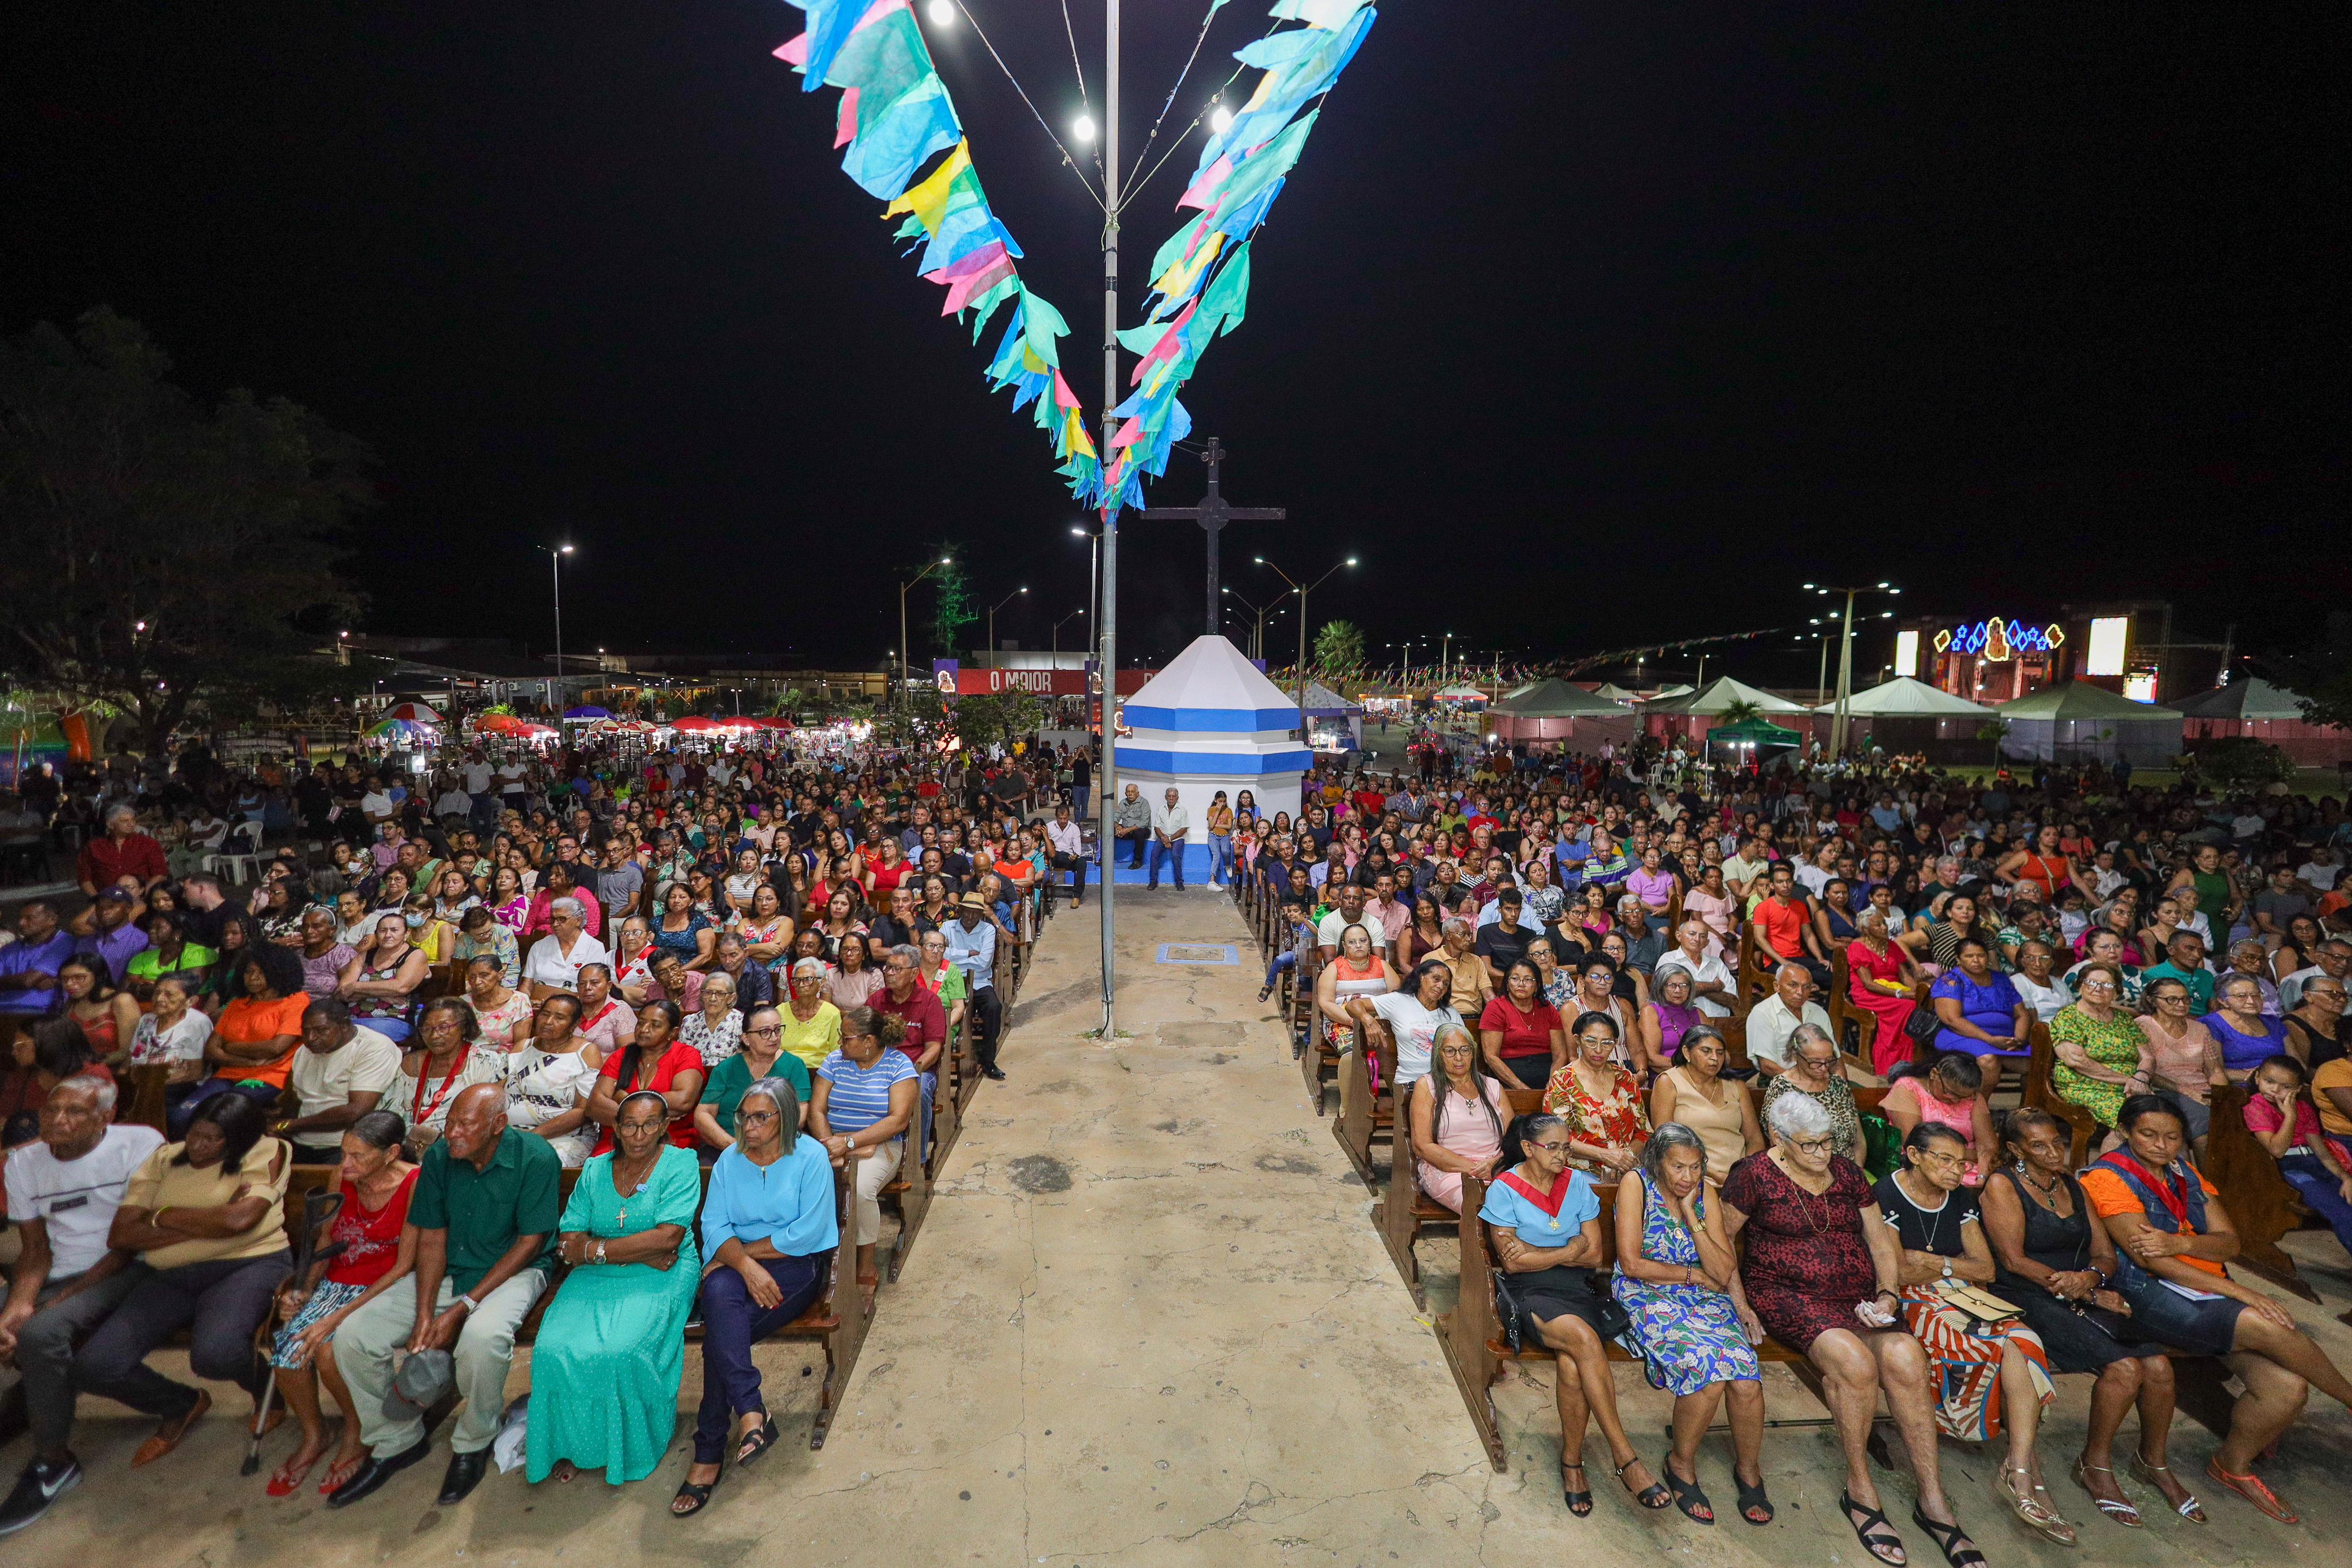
(1066, 851)
(63, 1191)
(1170, 826)
(339, 1073)
(2319, 872)
(1771, 1021)
(1695, 954)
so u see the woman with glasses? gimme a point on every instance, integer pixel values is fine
(611, 1351)
(2102, 1058)
(1599, 1101)
(1822, 1273)
(864, 1099)
(2184, 1059)
(764, 1055)
(1543, 1221)
(1813, 1068)
(2314, 1025)
(2248, 1036)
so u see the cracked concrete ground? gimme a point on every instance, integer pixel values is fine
(1147, 1321)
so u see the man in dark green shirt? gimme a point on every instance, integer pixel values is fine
(485, 1206)
(2184, 960)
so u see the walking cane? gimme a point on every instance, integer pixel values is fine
(320, 1210)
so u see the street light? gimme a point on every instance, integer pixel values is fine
(1838, 720)
(555, 554)
(1064, 621)
(991, 621)
(1305, 736)
(1262, 613)
(1093, 573)
(1444, 657)
(910, 582)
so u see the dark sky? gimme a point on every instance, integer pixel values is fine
(1579, 324)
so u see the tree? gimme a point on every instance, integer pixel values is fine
(1739, 710)
(2321, 681)
(1993, 731)
(159, 549)
(982, 722)
(952, 609)
(2239, 763)
(1339, 645)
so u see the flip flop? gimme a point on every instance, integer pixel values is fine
(341, 1471)
(285, 1480)
(173, 1433)
(2248, 1486)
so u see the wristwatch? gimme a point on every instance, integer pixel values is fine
(471, 1305)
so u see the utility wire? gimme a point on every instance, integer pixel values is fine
(981, 34)
(1085, 104)
(1198, 40)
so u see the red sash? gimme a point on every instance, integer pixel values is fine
(2176, 1203)
(1549, 1202)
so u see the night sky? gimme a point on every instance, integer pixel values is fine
(1581, 324)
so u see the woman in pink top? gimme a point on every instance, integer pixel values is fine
(1712, 904)
(1458, 1118)
(1653, 887)
(1947, 1094)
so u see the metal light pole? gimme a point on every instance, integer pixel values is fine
(1445, 660)
(1845, 655)
(555, 554)
(1094, 578)
(1306, 737)
(1263, 614)
(991, 621)
(910, 582)
(1106, 660)
(1064, 621)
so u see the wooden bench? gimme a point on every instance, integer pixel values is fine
(2260, 1204)
(2042, 1094)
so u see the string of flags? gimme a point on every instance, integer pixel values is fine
(895, 115)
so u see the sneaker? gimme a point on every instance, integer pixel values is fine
(37, 1488)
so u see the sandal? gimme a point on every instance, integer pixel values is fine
(2189, 1507)
(1687, 1495)
(1651, 1496)
(2121, 1512)
(1874, 1530)
(2250, 1486)
(287, 1480)
(698, 1496)
(1579, 1503)
(1753, 1501)
(1950, 1539)
(2028, 1505)
(341, 1471)
(758, 1441)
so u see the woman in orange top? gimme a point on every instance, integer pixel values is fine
(2046, 865)
(254, 1039)
(2172, 1239)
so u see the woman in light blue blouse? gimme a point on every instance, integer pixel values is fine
(771, 1226)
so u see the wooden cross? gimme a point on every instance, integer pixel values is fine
(1213, 514)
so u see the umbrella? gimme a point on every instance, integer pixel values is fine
(390, 726)
(502, 724)
(588, 711)
(412, 713)
(695, 723)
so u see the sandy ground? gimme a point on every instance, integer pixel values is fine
(1147, 1321)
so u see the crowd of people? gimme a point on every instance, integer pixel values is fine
(659, 972)
(1578, 930)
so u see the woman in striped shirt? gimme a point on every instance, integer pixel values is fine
(864, 1099)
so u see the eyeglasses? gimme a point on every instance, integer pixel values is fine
(772, 1028)
(1551, 1148)
(1813, 1145)
(754, 1118)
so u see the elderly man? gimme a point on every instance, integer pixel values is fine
(1171, 824)
(63, 1190)
(971, 947)
(904, 997)
(2332, 957)
(1131, 824)
(1771, 1021)
(1346, 910)
(122, 855)
(1695, 954)
(486, 1209)
(340, 1071)
(1067, 848)
(556, 958)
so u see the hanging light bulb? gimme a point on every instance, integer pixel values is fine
(943, 13)
(1221, 118)
(1083, 128)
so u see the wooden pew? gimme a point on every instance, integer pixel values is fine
(2262, 1205)
(2041, 1095)
(1364, 1114)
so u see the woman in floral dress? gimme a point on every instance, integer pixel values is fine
(1601, 1103)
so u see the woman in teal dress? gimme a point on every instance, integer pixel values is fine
(611, 1352)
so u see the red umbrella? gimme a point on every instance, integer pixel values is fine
(501, 724)
(695, 723)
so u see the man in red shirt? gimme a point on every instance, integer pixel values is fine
(1783, 919)
(123, 852)
(906, 998)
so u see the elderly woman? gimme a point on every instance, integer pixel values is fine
(1951, 1090)
(1980, 1011)
(715, 1030)
(2102, 1058)
(812, 1024)
(2184, 1059)
(1544, 1222)
(381, 979)
(1822, 1273)
(1678, 1280)
(377, 1247)
(1599, 1101)
(501, 1013)
(1472, 986)
(2173, 1237)
(770, 1229)
(1456, 1118)
(2248, 1036)
(2036, 981)
(1988, 1374)
(1669, 1015)
(762, 1056)
(2054, 1263)
(1813, 1068)
(1694, 1092)
(444, 1064)
(865, 1098)
(611, 1352)
(549, 1079)
(1880, 978)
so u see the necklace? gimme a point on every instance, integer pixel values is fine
(621, 1216)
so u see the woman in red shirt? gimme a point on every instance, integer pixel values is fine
(657, 1060)
(1523, 1037)
(379, 1249)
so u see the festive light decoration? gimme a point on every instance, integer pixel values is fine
(1995, 641)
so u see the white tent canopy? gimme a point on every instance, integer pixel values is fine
(1904, 698)
(1719, 694)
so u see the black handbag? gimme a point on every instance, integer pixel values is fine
(1564, 1279)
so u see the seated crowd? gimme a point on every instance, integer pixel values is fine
(1586, 933)
(659, 974)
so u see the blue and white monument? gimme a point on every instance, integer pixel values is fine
(1211, 721)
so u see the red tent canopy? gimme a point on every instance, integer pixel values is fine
(695, 723)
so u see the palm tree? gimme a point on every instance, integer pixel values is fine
(1739, 710)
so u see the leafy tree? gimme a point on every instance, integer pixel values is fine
(952, 608)
(157, 548)
(1740, 710)
(2237, 762)
(982, 722)
(2321, 681)
(1339, 645)
(1992, 732)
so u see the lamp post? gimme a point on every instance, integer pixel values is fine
(910, 582)
(1261, 614)
(1845, 653)
(991, 621)
(1094, 572)
(1305, 736)
(1444, 659)
(555, 554)
(1064, 621)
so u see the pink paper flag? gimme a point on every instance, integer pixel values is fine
(844, 127)
(794, 51)
(1203, 193)
(962, 289)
